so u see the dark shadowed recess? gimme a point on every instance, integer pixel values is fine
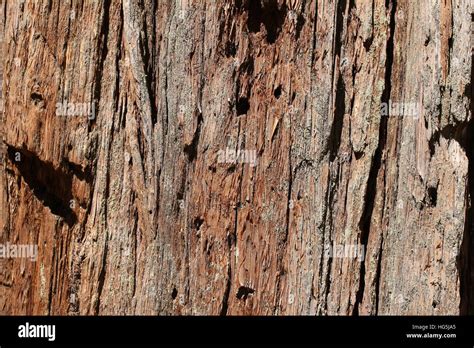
(52, 186)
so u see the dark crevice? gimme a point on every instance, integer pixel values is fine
(314, 37)
(225, 297)
(341, 7)
(231, 243)
(338, 122)
(331, 193)
(150, 75)
(432, 196)
(135, 251)
(284, 240)
(378, 273)
(457, 132)
(270, 14)
(230, 49)
(37, 98)
(433, 141)
(83, 174)
(247, 67)
(243, 86)
(198, 221)
(371, 189)
(243, 106)
(358, 154)
(462, 133)
(465, 260)
(102, 273)
(52, 186)
(277, 92)
(50, 290)
(427, 40)
(244, 292)
(103, 50)
(339, 103)
(364, 224)
(174, 293)
(368, 42)
(191, 150)
(300, 21)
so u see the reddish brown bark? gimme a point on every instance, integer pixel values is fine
(142, 209)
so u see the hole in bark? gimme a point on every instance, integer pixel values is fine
(243, 292)
(270, 14)
(198, 222)
(36, 97)
(191, 150)
(242, 106)
(174, 293)
(368, 43)
(433, 196)
(427, 40)
(293, 97)
(230, 49)
(277, 92)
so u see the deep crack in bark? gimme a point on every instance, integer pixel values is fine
(371, 191)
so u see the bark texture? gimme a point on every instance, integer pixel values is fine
(134, 213)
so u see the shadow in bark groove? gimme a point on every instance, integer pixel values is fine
(268, 13)
(465, 260)
(52, 186)
(377, 161)
(244, 292)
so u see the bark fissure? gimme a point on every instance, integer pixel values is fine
(371, 191)
(131, 211)
(102, 274)
(465, 261)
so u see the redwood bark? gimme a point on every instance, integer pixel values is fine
(135, 211)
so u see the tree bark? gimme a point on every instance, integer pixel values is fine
(142, 209)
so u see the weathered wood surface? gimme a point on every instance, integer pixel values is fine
(133, 211)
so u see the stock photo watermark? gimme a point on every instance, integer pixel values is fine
(399, 109)
(342, 251)
(233, 156)
(19, 251)
(69, 109)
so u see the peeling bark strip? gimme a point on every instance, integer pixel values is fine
(234, 145)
